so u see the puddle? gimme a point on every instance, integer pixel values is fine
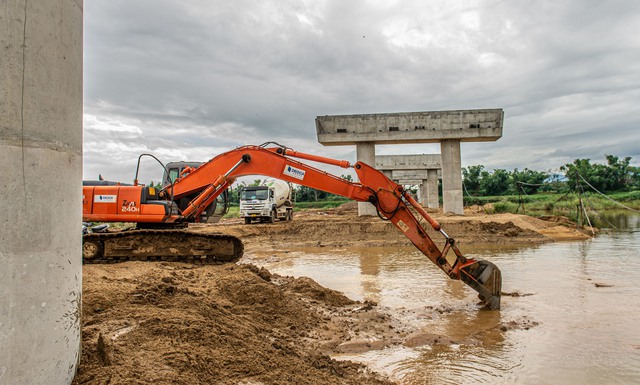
(577, 322)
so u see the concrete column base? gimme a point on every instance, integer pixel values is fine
(40, 265)
(41, 189)
(366, 209)
(424, 193)
(451, 177)
(433, 197)
(366, 153)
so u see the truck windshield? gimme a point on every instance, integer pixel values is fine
(254, 194)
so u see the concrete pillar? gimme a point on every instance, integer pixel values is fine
(433, 200)
(451, 177)
(366, 152)
(424, 196)
(41, 188)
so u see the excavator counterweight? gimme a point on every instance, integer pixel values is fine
(194, 196)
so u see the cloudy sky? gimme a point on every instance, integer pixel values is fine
(186, 80)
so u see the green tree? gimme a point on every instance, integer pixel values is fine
(616, 175)
(308, 194)
(619, 172)
(347, 177)
(234, 192)
(496, 183)
(530, 181)
(157, 186)
(634, 177)
(471, 178)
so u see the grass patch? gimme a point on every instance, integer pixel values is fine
(234, 212)
(555, 203)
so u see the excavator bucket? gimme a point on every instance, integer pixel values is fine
(485, 278)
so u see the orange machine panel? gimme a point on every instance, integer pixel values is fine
(87, 200)
(105, 199)
(152, 210)
(118, 203)
(129, 199)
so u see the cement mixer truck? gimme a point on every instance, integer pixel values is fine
(267, 202)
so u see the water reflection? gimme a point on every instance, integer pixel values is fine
(618, 219)
(370, 270)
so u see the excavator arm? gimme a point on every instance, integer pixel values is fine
(391, 201)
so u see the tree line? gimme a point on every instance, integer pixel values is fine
(616, 175)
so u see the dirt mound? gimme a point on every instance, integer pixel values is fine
(327, 228)
(341, 226)
(172, 323)
(309, 288)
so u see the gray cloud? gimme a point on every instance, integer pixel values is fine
(190, 79)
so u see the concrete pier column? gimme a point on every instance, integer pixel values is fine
(424, 195)
(366, 152)
(433, 198)
(41, 189)
(451, 177)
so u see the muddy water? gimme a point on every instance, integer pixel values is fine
(580, 325)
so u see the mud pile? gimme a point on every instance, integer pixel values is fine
(173, 323)
(342, 227)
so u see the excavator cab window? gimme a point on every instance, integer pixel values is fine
(217, 209)
(174, 169)
(222, 204)
(174, 173)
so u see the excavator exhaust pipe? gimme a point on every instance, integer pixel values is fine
(485, 278)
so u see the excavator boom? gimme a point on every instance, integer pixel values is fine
(205, 183)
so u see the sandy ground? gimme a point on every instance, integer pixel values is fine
(175, 323)
(341, 226)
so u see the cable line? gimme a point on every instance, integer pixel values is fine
(596, 190)
(531, 184)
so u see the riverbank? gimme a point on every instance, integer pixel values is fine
(558, 204)
(341, 226)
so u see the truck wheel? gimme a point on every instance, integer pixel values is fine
(247, 220)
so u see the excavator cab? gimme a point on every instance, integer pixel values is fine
(215, 211)
(175, 170)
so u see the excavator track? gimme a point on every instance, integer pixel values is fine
(160, 245)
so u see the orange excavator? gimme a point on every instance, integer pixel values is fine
(161, 216)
